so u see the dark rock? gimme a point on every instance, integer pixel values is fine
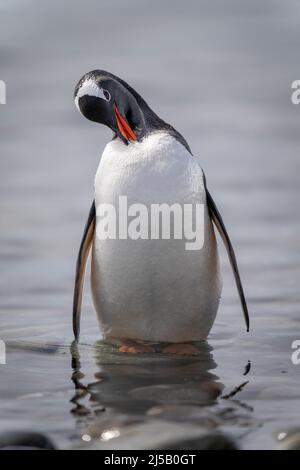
(25, 440)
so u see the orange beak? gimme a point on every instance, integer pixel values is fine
(124, 128)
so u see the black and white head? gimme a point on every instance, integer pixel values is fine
(104, 98)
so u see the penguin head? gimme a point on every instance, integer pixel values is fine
(104, 98)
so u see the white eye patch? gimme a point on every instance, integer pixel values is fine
(89, 88)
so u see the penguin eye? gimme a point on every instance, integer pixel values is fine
(106, 95)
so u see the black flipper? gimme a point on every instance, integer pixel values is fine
(84, 250)
(217, 220)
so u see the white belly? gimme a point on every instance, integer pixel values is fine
(153, 290)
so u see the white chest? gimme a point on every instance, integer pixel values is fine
(157, 169)
(153, 289)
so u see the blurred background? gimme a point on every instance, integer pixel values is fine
(219, 72)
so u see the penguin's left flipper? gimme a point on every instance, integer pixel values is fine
(218, 221)
(86, 243)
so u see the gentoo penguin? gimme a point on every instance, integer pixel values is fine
(147, 290)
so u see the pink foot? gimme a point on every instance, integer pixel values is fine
(128, 346)
(183, 349)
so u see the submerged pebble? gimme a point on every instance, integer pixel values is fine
(289, 439)
(159, 435)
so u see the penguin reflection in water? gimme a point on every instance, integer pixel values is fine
(148, 291)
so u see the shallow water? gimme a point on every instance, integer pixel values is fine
(221, 74)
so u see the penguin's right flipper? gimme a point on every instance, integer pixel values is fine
(84, 250)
